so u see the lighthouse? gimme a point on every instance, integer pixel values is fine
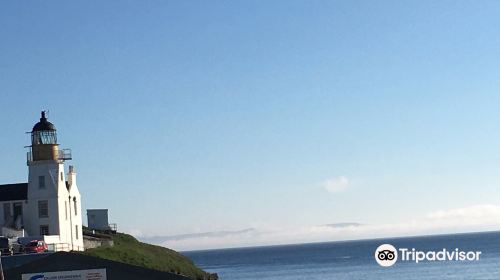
(53, 196)
(48, 206)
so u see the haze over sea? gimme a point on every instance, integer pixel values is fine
(354, 260)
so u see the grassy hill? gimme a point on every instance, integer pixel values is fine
(129, 250)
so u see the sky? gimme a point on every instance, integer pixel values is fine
(210, 124)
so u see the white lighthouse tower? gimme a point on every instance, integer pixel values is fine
(53, 208)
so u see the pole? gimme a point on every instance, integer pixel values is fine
(1, 268)
(70, 224)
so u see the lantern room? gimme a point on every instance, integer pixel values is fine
(44, 144)
(44, 132)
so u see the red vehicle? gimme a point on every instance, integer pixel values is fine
(36, 246)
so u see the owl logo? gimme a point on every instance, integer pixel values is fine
(386, 255)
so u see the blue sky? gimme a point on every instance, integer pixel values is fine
(188, 117)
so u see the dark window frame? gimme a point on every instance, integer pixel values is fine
(43, 212)
(44, 230)
(41, 183)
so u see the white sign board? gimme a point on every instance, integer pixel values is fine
(91, 274)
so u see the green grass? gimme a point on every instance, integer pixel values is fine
(129, 250)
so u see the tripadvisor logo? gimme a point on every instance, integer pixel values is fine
(387, 255)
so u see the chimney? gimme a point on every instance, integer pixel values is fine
(71, 176)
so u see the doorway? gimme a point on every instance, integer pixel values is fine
(18, 214)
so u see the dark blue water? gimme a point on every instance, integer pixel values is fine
(354, 260)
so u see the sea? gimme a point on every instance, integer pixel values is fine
(355, 260)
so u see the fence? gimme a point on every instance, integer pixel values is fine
(66, 247)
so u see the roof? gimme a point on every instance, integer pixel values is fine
(64, 261)
(44, 124)
(10, 192)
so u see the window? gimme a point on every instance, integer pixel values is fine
(62, 176)
(76, 206)
(76, 232)
(41, 182)
(43, 209)
(66, 210)
(6, 212)
(44, 137)
(18, 211)
(44, 230)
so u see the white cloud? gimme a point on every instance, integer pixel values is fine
(471, 218)
(335, 185)
(133, 231)
(471, 215)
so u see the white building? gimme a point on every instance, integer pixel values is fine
(48, 206)
(98, 219)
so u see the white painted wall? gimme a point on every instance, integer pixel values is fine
(50, 169)
(62, 219)
(12, 233)
(76, 218)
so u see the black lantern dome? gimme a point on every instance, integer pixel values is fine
(44, 132)
(43, 124)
